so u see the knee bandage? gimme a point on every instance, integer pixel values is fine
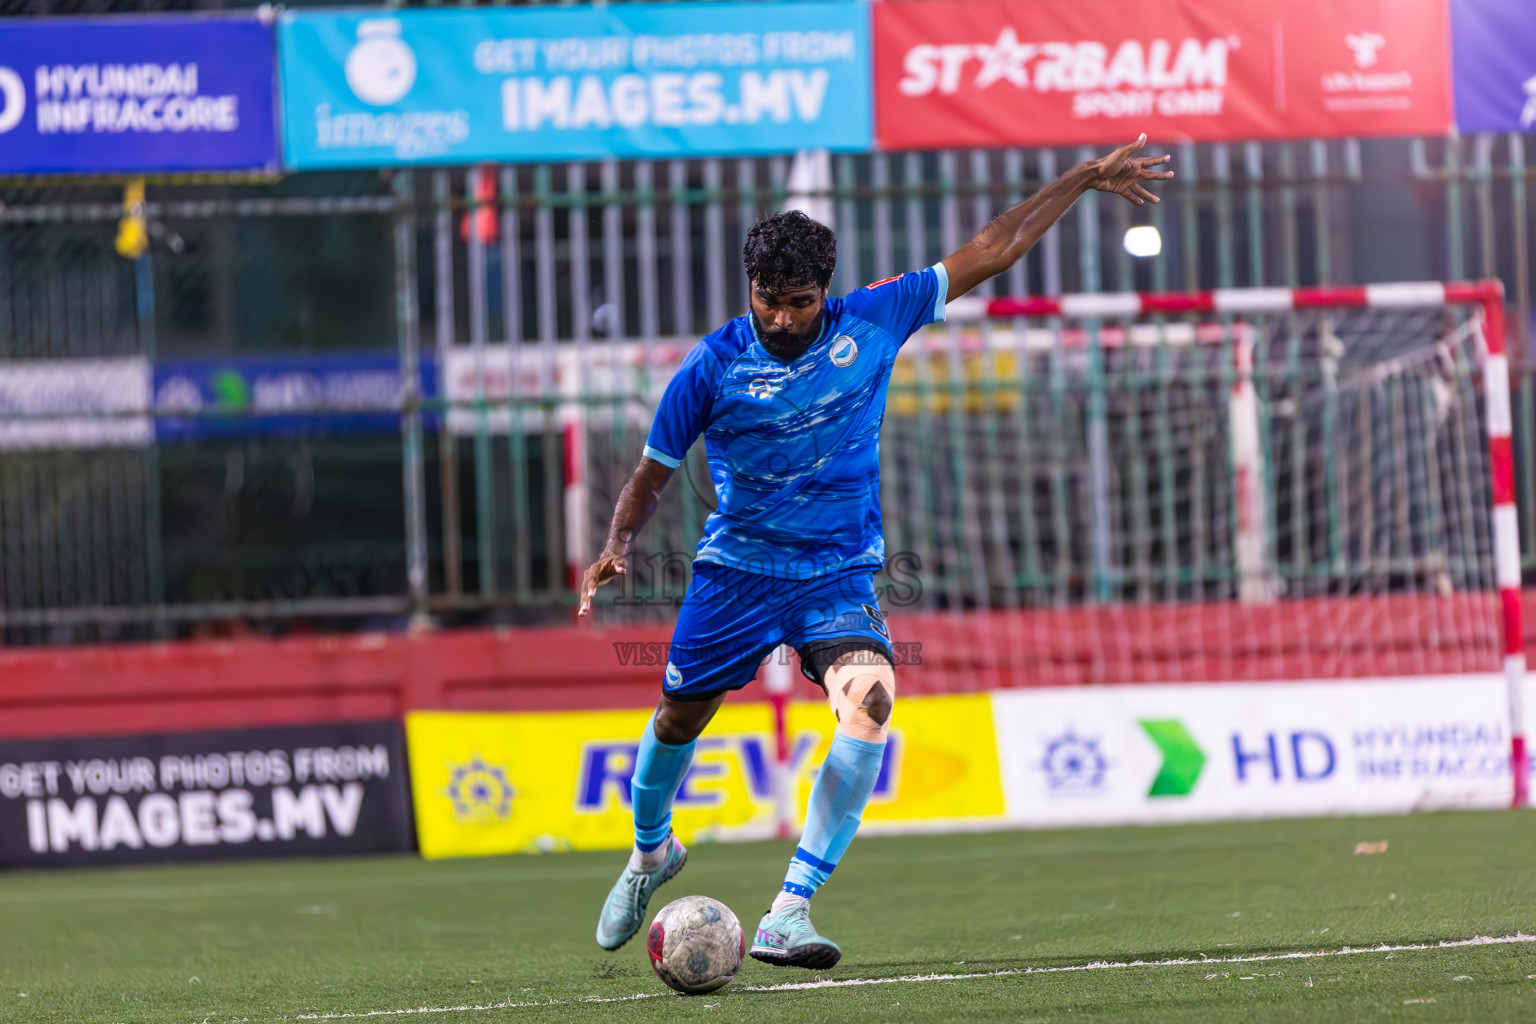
(862, 692)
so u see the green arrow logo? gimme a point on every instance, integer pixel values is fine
(1182, 757)
(232, 388)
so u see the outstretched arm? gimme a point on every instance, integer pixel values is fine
(999, 245)
(637, 501)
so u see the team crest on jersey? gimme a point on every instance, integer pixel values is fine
(760, 388)
(844, 351)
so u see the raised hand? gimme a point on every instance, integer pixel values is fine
(1122, 172)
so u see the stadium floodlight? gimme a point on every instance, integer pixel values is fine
(1143, 241)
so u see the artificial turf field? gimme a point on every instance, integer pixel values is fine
(510, 939)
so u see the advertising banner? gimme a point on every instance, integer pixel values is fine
(300, 790)
(626, 80)
(136, 94)
(269, 396)
(503, 783)
(1494, 57)
(75, 403)
(1062, 72)
(1125, 754)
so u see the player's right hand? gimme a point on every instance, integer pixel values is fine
(1122, 172)
(598, 573)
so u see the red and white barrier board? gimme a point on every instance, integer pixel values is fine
(1064, 72)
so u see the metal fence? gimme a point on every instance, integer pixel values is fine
(579, 262)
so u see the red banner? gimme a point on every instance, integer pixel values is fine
(1064, 72)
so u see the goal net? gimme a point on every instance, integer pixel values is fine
(1252, 484)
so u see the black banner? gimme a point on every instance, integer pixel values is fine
(300, 790)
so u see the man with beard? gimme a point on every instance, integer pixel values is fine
(790, 398)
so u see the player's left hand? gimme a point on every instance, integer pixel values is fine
(1122, 172)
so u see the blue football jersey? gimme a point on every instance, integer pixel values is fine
(794, 447)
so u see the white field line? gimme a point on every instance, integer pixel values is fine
(1097, 965)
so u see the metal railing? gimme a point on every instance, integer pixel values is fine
(577, 262)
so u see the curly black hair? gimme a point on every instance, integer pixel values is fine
(790, 250)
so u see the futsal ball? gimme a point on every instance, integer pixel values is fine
(696, 944)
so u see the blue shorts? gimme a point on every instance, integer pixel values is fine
(731, 620)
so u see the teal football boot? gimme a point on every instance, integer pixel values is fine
(624, 909)
(787, 938)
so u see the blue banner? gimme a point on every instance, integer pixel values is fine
(283, 396)
(461, 86)
(1493, 61)
(136, 94)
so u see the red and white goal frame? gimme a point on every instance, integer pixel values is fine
(1484, 298)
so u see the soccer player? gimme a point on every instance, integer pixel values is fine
(789, 399)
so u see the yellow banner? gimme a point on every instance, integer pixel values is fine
(505, 783)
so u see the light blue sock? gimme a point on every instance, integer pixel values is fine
(842, 788)
(659, 771)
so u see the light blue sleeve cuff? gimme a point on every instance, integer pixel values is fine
(662, 457)
(942, 274)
